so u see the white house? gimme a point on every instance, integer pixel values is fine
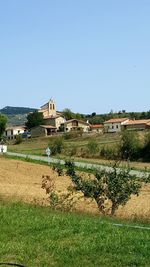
(75, 124)
(114, 125)
(12, 131)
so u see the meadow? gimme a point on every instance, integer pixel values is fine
(39, 237)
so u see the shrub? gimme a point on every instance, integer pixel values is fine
(92, 147)
(146, 149)
(56, 146)
(130, 146)
(18, 139)
(64, 201)
(109, 153)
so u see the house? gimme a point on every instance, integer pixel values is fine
(55, 121)
(136, 125)
(43, 130)
(12, 131)
(96, 128)
(114, 125)
(76, 125)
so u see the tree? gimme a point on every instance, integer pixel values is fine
(34, 119)
(146, 149)
(3, 121)
(130, 145)
(115, 187)
(68, 114)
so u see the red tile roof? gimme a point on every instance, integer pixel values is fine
(116, 120)
(96, 126)
(135, 122)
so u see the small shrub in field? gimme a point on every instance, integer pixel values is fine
(64, 201)
(18, 139)
(56, 146)
(109, 153)
(92, 147)
(73, 134)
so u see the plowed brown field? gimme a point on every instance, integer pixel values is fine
(22, 181)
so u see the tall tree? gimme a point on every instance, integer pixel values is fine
(3, 121)
(34, 119)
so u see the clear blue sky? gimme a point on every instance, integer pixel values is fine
(89, 55)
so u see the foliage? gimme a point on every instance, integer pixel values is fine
(68, 114)
(115, 187)
(146, 148)
(56, 146)
(34, 119)
(58, 200)
(109, 152)
(130, 145)
(73, 134)
(18, 139)
(3, 121)
(92, 147)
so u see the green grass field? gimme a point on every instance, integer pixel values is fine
(38, 237)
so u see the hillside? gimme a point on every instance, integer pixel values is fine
(16, 115)
(8, 110)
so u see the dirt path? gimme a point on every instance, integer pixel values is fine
(22, 180)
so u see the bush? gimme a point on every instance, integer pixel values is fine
(58, 200)
(92, 147)
(56, 146)
(146, 149)
(18, 139)
(130, 148)
(109, 153)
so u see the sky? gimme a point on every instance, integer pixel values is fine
(88, 55)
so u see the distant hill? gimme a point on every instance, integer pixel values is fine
(16, 115)
(16, 110)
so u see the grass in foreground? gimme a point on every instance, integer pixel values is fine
(38, 237)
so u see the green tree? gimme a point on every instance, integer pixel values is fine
(130, 145)
(115, 187)
(3, 122)
(68, 114)
(146, 148)
(34, 119)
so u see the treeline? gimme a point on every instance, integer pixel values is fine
(101, 118)
(94, 118)
(131, 147)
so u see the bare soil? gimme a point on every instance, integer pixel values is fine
(22, 181)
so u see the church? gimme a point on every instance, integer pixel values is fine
(51, 116)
